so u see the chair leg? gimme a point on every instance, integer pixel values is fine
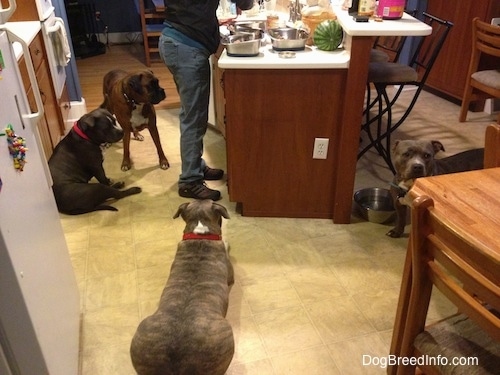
(465, 103)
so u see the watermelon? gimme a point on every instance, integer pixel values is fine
(328, 35)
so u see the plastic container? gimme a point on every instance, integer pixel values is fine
(391, 9)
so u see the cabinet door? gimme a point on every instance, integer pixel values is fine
(450, 70)
(50, 104)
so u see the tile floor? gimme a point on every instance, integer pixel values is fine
(310, 296)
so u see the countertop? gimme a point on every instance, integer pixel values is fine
(26, 30)
(312, 58)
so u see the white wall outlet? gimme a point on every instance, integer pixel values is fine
(320, 150)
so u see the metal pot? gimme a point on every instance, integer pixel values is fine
(288, 38)
(241, 44)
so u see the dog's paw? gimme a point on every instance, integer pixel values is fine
(138, 137)
(126, 166)
(164, 164)
(117, 185)
(134, 190)
(394, 233)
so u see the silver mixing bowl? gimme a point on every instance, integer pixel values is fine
(375, 205)
(288, 38)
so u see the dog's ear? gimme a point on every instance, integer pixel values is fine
(86, 121)
(221, 210)
(181, 208)
(437, 146)
(135, 83)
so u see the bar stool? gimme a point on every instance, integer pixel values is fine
(384, 74)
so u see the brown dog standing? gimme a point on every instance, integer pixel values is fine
(131, 98)
(415, 158)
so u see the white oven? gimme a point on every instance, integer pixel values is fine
(56, 43)
(57, 49)
(45, 9)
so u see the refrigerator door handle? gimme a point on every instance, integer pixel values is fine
(7, 12)
(33, 118)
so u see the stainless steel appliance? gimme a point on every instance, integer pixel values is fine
(39, 299)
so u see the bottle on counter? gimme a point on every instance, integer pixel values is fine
(391, 9)
(366, 7)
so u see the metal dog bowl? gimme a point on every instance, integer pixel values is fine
(241, 44)
(288, 38)
(375, 205)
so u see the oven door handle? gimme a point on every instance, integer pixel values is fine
(58, 24)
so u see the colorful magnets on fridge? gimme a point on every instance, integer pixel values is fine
(17, 148)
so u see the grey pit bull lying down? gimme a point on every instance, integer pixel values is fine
(415, 158)
(188, 334)
(78, 158)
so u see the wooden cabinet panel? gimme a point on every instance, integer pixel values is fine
(450, 70)
(218, 92)
(270, 136)
(51, 126)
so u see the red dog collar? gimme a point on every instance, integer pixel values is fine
(195, 236)
(80, 132)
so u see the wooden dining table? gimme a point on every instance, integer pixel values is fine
(471, 201)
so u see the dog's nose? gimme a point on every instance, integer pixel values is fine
(417, 170)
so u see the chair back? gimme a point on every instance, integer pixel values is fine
(492, 146)
(485, 38)
(392, 45)
(461, 268)
(428, 47)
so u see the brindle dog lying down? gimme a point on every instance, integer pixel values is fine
(188, 334)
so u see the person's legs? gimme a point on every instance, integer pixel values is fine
(191, 71)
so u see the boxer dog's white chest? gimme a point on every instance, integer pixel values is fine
(136, 118)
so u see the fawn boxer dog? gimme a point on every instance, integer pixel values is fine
(188, 334)
(131, 98)
(415, 158)
(78, 157)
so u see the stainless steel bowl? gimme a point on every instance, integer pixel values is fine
(243, 28)
(375, 205)
(261, 25)
(241, 44)
(288, 38)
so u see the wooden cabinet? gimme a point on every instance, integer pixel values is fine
(50, 126)
(273, 118)
(450, 70)
(218, 92)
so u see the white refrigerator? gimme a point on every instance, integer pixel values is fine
(39, 299)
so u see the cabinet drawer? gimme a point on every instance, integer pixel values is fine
(36, 51)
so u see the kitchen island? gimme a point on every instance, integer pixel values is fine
(277, 107)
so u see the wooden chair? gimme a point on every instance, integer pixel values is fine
(152, 16)
(444, 258)
(482, 84)
(492, 146)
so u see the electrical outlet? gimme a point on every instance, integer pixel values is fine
(320, 149)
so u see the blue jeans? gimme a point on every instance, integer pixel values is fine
(190, 69)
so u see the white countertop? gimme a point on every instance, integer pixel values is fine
(309, 58)
(26, 30)
(312, 58)
(407, 25)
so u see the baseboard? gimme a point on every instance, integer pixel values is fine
(77, 110)
(120, 38)
(492, 106)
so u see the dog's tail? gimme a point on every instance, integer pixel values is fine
(101, 207)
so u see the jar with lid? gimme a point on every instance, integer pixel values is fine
(366, 7)
(391, 9)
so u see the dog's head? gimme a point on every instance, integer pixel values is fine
(413, 158)
(100, 126)
(145, 88)
(202, 216)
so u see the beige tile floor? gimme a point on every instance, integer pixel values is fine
(310, 297)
